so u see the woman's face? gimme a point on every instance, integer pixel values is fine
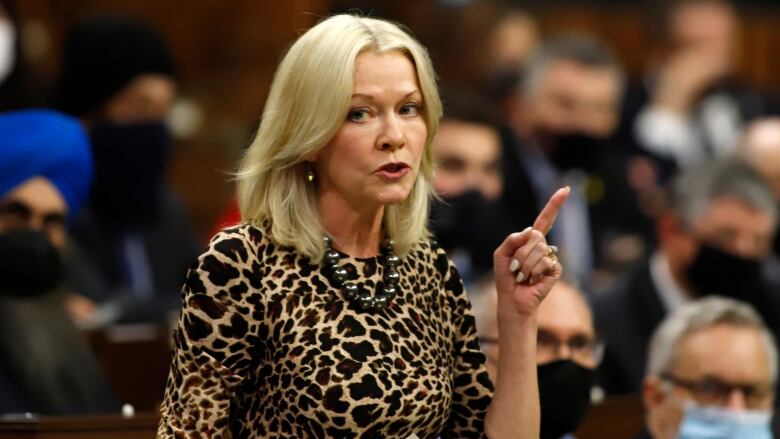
(374, 158)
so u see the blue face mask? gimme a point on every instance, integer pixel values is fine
(719, 423)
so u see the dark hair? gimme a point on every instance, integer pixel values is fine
(468, 106)
(580, 49)
(102, 55)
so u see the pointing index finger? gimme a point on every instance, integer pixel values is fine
(546, 218)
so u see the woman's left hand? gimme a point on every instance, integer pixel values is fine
(525, 266)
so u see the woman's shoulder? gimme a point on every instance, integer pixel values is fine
(233, 248)
(245, 240)
(428, 252)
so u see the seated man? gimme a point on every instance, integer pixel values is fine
(567, 353)
(45, 364)
(713, 239)
(468, 223)
(133, 242)
(711, 372)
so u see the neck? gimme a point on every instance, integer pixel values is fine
(356, 232)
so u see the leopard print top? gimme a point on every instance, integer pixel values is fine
(267, 347)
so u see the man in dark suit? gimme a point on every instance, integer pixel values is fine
(560, 125)
(714, 238)
(133, 243)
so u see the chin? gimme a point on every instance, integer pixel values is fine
(393, 198)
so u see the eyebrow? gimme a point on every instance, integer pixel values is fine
(372, 98)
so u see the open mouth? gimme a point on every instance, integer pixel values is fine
(393, 167)
(393, 170)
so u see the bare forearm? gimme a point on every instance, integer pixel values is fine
(514, 411)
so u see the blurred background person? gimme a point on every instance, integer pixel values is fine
(568, 353)
(711, 373)
(562, 123)
(714, 238)
(20, 85)
(468, 221)
(760, 147)
(134, 242)
(45, 364)
(695, 106)
(514, 36)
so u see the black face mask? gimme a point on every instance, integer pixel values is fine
(29, 263)
(569, 151)
(564, 394)
(130, 165)
(715, 271)
(470, 222)
(454, 219)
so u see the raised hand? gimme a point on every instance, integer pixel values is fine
(525, 266)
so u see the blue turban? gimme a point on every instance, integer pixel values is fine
(46, 144)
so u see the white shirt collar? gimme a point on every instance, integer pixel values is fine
(671, 294)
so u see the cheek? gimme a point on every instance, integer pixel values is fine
(447, 184)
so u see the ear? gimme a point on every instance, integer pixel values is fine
(668, 226)
(652, 393)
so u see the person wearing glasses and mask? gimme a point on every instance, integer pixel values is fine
(567, 353)
(711, 373)
(45, 364)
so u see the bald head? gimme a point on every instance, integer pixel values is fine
(565, 317)
(760, 147)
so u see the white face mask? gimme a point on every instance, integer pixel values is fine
(7, 48)
(704, 422)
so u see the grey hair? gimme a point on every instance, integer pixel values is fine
(702, 314)
(579, 49)
(697, 187)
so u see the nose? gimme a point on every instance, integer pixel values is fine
(36, 223)
(392, 135)
(564, 352)
(736, 400)
(747, 246)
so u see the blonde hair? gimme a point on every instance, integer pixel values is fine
(307, 104)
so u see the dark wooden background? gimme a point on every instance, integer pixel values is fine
(227, 51)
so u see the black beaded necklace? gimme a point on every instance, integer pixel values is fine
(338, 276)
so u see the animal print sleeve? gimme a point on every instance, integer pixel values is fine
(472, 388)
(210, 352)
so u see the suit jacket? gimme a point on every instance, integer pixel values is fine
(612, 205)
(626, 317)
(94, 261)
(46, 365)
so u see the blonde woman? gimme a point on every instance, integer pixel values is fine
(328, 312)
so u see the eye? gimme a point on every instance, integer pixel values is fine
(410, 109)
(357, 114)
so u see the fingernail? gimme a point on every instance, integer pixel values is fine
(514, 265)
(526, 229)
(520, 277)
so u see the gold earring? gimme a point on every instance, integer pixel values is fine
(310, 175)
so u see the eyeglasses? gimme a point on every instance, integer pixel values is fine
(713, 391)
(15, 214)
(582, 349)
